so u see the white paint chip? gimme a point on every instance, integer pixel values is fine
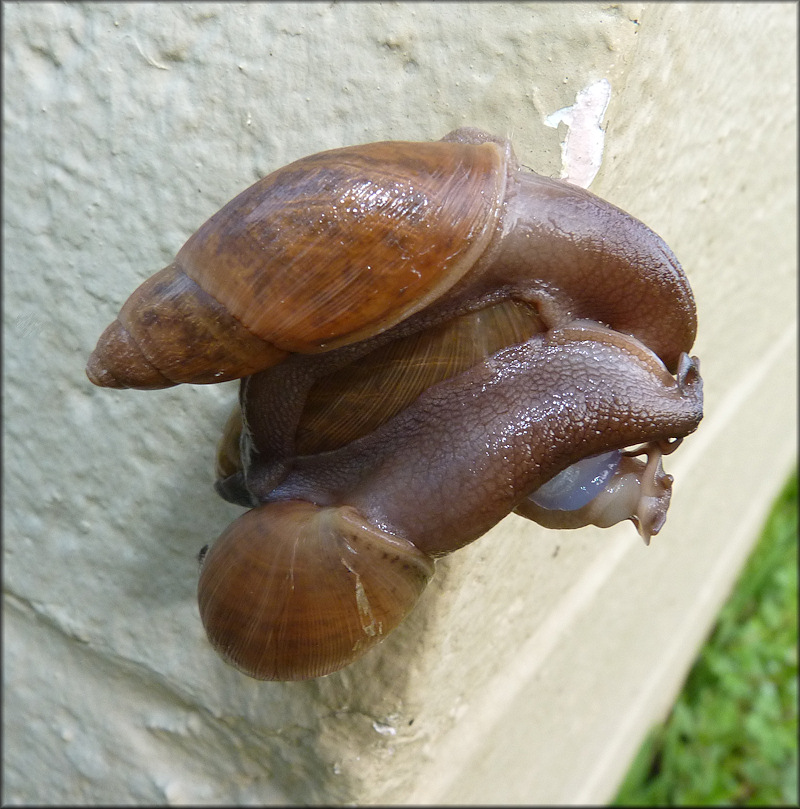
(582, 148)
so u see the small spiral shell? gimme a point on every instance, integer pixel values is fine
(292, 591)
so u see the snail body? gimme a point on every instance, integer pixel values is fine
(427, 334)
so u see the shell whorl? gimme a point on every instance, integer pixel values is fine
(170, 331)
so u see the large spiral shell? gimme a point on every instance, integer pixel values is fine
(325, 251)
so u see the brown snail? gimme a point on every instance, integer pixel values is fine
(429, 337)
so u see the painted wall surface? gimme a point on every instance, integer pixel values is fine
(536, 660)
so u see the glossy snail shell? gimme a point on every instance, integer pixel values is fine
(331, 587)
(429, 337)
(349, 224)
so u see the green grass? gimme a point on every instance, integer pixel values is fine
(731, 738)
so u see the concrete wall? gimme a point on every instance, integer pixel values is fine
(536, 660)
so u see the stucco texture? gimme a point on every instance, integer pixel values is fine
(536, 660)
